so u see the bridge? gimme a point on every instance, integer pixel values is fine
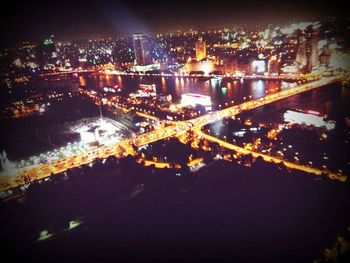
(270, 159)
(124, 147)
(286, 77)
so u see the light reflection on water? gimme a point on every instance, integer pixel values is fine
(220, 91)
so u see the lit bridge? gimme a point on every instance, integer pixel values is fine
(125, 147)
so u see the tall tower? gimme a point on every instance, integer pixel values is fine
(46, 52)
(301, 48)
(312, 58)
(142, 49)
(201, 49)
(307, 54)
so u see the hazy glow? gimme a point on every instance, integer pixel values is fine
(44, 235)
(309, 119)
(259, 66)
(193, 99)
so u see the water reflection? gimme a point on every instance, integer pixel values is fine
(164, 87)
(82, 81)
(221, 91)
(258, 89)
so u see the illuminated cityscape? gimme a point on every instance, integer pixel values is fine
(184, 132)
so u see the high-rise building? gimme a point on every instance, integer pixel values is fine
(201, 49)
(325, 56)
(47, 53)
(312, 57)
(142, 49)
(301, 51)
(307, 53)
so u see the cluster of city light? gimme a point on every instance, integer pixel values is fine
(310, 119)
(167, 51)
(178, 128)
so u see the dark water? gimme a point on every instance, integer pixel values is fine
(229, 214)
(332, 100)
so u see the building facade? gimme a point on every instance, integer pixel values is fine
(201, 49)
(142, 49)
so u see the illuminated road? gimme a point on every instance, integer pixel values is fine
(151, 117)
(269, 158)
(249, 105)
(67, 72)
(169, 165)
(294, 77)
(124, 147)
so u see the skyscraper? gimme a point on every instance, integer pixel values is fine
(301, 51)
(307, 54)
(142, 49)
(47, 53)
(201, 49)
(312, 57)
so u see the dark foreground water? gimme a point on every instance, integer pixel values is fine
(225, 212)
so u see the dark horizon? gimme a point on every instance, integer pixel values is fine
(70, 21)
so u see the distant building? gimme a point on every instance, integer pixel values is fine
(290, 68)
(307, 53)
(244, 66)
(301, 50)
(308, 118)
(201, 49)
(258, 67)
(47, 54)
(226, 66)
(25, 58)
(273, 66)
(145, 90)
(191, 99)
(325, 57)
(312, 57)
(142, 49)
(204, 66)
(146, 68)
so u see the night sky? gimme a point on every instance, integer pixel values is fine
(69, 20)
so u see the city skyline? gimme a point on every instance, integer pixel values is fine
(70, 21)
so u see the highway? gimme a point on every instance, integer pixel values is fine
(124, 147)
(169, 165)
(269, 158)
(294, 77)
(249, 105)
